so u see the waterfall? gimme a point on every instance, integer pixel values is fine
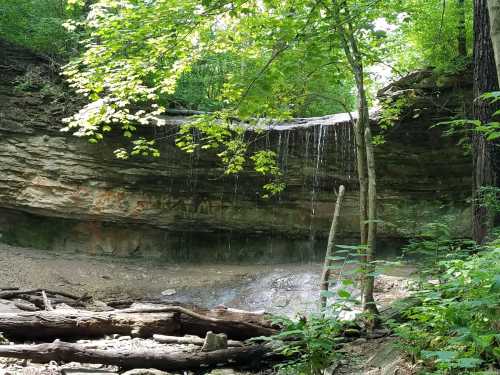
(283, 150)
(320, 144)
(315, 155)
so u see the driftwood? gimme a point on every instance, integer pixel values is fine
(63, 323)
(46, 301)
(14, 292)
(25, 306)
(138, 322)
(39, 302)
(41, 298)
(190, 340)
(250, 356)
(214, 341)
(239, 325)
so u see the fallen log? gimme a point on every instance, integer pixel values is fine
(64, 323)
(41, 297)
(142, 322)
(250, 356)
(14, 292)
(37, 300)
(237, 325)
(25, 306)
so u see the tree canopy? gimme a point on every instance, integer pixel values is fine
(245, 59)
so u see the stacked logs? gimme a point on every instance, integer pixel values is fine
(59, 315)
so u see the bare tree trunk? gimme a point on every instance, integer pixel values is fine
(368, 194)
(485, 80)
(359, 128)
(365, 156)
(355, 61)
(494, 13)
(368, 300)
(462, 35)
(325, 277)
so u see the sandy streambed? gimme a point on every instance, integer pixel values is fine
(276, 288)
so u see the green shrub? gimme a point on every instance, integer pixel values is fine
(434, 245)
(308, 343)
(456, 329)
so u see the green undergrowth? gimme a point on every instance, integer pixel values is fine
(310, 344)
(456, 328)
(453, 329)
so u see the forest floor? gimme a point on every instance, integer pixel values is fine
(278, 288)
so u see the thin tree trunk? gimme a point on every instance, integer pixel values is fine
(368, 199)
(367, 176)
(325, 277)
(368, 300)
(355, 61)
(359, 127)
(485, 80)
(462, 35)
(494, 13)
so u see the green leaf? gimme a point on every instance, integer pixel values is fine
(493, 135)
(495, 287)
(335, 258)
(484, 341)
(343, 293)
(442, 356)
(469, 362)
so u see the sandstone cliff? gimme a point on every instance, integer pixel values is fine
(60, 192)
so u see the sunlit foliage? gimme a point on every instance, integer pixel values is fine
(38, 24)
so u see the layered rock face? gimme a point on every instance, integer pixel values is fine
(60, 192)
